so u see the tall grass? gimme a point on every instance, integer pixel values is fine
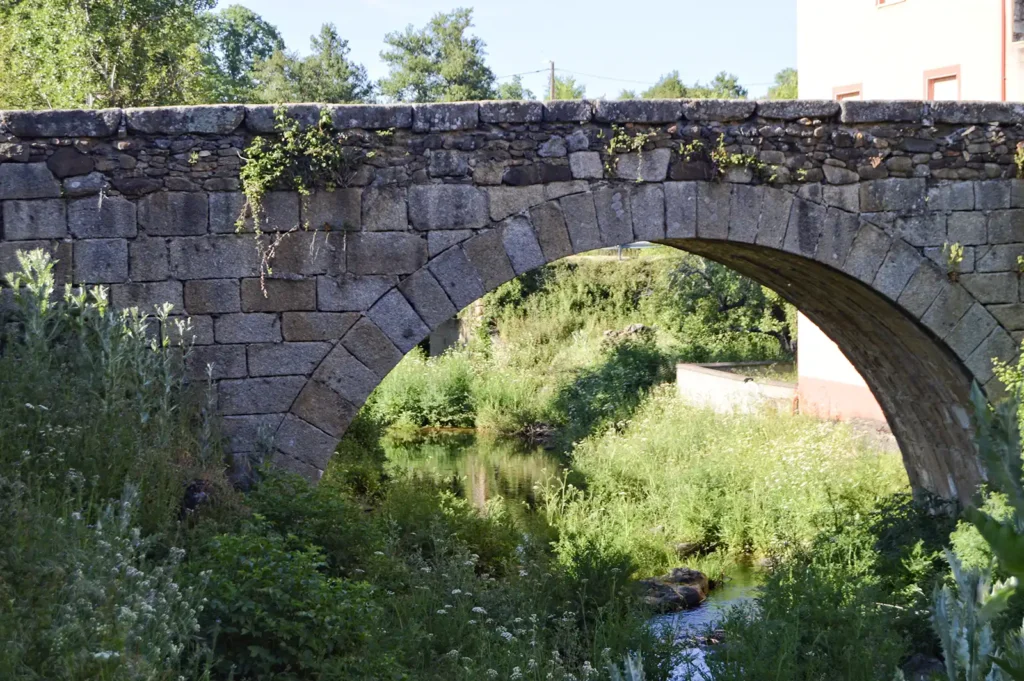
(759, 486)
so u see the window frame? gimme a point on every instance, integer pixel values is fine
(882, 4)
(933, 76)
(842, 92)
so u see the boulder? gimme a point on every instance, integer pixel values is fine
(680, 589)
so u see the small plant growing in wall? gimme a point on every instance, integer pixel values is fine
(1020, 266)
(954, 254)
(193, 158)
(296, 160)
(720, 160)
(622, 142)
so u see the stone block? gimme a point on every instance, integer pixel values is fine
(614, 215)
(529, 111)
(324, 408)
(649, 166)
(586, 165)
(803, 233)
(713, 204)
(718, 109)
(147, 259)
(553, 148)
(999, 345)
(972, 329)
(568, 111)
(148, 296)
(900, 265)
(895, 111)
(1004, 226)
(1011, 316)
(949, 306)
(938, 255)
(278, 295)
(521, 245)
(428, 298)
(214, 257)
(557, 190)
(552, 234)
(346, 376)
(28, 181)
(950, 196)
(59, 251)
(279, 213)
(308, 253)
(447, 163)
(301, 441)
(68, 162)
(262, 118)
(215, 362)
(102, 217)
(216, 296)
(62, 123)
(844, 197)
(372, 347)
(337, 210)
(993, 287)
(836, 175)
(837, 236)
(959, 113)
(225, 209)
(901, 195)
(246, 432)
(457, 276)
(351, 293)
(174, 214)
(680, 210)
(638, 111)
(214, 119)
(101, 261)
(647, 204)
(1016, 193)
(398, 320)
(258, 395)
(992, 194)
(386, 252)
(776, 208)
(922, 230)
(922, 290)
(745, 213)
(316, 326)
(869, 249)
(438, 242)
(1000, 258)
(792, 110)
(84, 185)
(385, 209)
(966, 228)
(506, 201)
(371, 116)
(40, 219)
(447, 206)
(284, 359)
(445, 117)
(486, 252)
(536, 173)
(251, 327)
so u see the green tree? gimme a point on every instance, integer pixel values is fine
(514, 89)
(102, 53)
(326, 75)
(786, 85)
(438, 63)
(670, 86)
(723, 86)
(566, 87)
(237, 39)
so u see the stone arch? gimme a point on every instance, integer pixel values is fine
(918, 338)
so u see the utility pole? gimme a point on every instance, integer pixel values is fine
(552, 94)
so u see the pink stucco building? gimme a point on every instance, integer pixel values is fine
(896, 49)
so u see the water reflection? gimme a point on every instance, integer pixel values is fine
(476, 466)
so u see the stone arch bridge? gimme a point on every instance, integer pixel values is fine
(846, 218)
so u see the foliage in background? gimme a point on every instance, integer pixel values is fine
(786, 85)
(566, 87)
(236, 40)
(670, 86)
(438, 63)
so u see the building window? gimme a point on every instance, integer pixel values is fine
(847, 92)
(886, 3)
(942, 84)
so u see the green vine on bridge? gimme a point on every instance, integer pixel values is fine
(299, 160)
(719, 159)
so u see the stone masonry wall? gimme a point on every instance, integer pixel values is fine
(457, 198)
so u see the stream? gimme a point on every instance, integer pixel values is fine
(481, 468)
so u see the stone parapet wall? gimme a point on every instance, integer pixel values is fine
(847, 220)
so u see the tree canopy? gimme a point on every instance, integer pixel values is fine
(786, 85)
(438, 63)
(326, 75)
(236, 40)
(670, 86)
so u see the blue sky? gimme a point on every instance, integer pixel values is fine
(630, 41)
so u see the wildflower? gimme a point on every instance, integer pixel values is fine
(524, 573)
(453, 653)
(105, 655)
(492, 673)
(456, 592)
(472, 622)
(442, 612)
(517, 673)
(378, 553)
(478, 610)
(507, 635)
